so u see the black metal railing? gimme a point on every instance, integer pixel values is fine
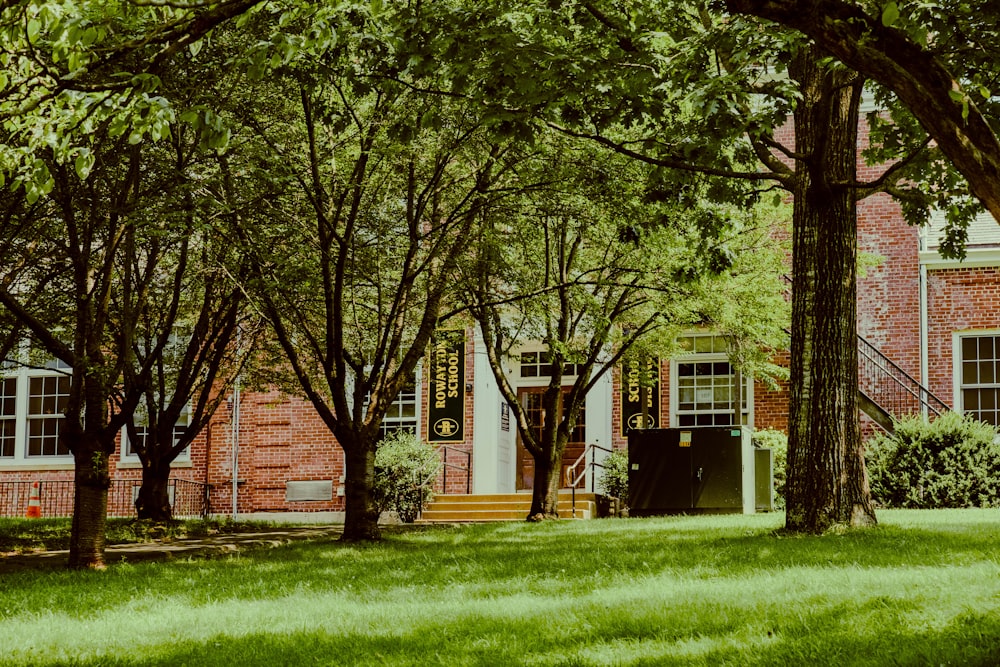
(575, 474)
(464, 468)
(55, 498)
(890, 387)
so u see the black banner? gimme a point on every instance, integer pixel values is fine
(446, 407)
(631, 396)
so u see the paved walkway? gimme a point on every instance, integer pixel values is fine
(212, 545)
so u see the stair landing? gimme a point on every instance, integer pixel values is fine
(469, 508)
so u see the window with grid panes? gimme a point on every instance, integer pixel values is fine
(706, 383)
(33, 400)
(8, 416)
(129, 449)
(980, 377)
(47, 399)
(402, 413)
(539, 364)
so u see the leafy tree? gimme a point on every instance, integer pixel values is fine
(71, 243)
(70, 67)
(938, 58)
(378, 186)
(106, 254)
(679, 86)
(196, 333)
(593, 261)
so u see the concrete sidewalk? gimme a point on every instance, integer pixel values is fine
(212, 545)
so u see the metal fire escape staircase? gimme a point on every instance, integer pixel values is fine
(886, 392)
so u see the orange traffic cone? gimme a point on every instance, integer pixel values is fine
(34, 503)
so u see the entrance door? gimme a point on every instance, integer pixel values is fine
(531, 400)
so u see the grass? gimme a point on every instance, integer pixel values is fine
(25, 535)
(921, 589)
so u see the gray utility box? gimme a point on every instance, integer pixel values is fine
(690, 470)
(763, 461)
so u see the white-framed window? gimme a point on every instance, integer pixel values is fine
(33, 401)
(977, 375)
(538, 364)
(8, 416)
(705, 384)
(128, 451)
(403, 411)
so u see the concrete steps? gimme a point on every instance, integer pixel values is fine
(463, 508)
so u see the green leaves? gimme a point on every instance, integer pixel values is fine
(32, 30)
(890, 14)
(83, 163)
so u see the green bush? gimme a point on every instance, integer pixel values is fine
(777, 442)
(614, 476)
(405, 469)
(950, 462)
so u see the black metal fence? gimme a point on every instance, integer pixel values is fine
(188, 499)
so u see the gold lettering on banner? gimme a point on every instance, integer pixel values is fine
(453, 375)
(441, 370)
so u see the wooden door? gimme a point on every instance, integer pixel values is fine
(531, 400)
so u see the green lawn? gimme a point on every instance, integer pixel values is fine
(922, 589)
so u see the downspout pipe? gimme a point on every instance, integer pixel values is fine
(924, 364)
(234, 434)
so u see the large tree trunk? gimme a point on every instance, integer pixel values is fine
(548, 479)
(827, 484)
(360, 514)
(153, 501)
(920, 80)
(90, 505)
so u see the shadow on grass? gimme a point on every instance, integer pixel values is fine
(822, 635)
(489, 560)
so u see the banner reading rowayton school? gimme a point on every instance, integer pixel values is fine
(446, 410)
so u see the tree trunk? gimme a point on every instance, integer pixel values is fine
(153, 501)
(827, 484)
(90, 505)
(548, 479)
(360, 514)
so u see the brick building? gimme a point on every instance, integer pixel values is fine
(937, 321)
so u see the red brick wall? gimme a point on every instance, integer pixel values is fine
(770, 406)
(957, 300)
(889, 294)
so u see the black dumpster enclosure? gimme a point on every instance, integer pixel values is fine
(690, 470)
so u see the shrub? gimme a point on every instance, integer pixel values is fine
(614, 476)
(777, 442)
(950, 462)
(405, 468)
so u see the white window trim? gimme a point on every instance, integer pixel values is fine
(21, 460)
(703, 357)
(956, 362)
(128, 460)
(538, 380)
(417, 400)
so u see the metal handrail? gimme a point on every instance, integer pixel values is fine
(903, 391)
(574, 480)
(875, 370)
(444, 449)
